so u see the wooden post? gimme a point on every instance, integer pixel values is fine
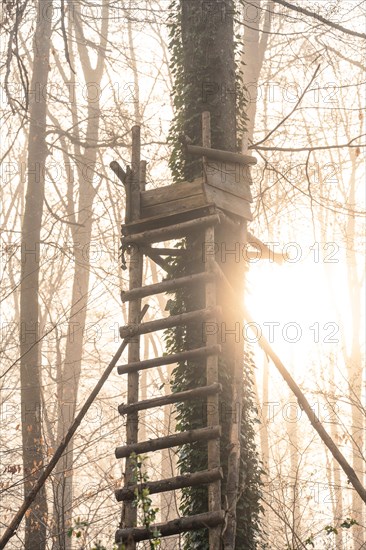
(233, 460)
(135, 169)
(212, 371)
(129, 512)
(213, 413)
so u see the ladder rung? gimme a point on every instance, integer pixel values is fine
(166, 286)
(219, 155)
(168, 359)
(170, 232)
(171, 398)
(167, 322)
(173, 527)
(201, 434)
(170, 484)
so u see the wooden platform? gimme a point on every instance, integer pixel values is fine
(224, 186)
(167, 220)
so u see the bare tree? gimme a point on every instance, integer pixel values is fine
(81, 232)
(30, 344)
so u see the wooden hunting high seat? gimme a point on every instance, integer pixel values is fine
(221, 195)
(224, 186)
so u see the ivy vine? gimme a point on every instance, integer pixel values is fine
(143, 502)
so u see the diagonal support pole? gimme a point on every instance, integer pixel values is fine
(14, 524)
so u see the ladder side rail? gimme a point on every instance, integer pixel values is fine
(212, 377)
(212, 361)
(129, 511)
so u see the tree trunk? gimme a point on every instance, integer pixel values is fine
(81, 236)
(255, 44)
(30, 346)
(209, 84)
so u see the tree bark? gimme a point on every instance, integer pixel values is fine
(210, 86)
(30, 344)
(255, 44)
(81, 235)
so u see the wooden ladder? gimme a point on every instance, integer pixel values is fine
(137, 246)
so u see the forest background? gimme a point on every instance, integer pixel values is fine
(68, 103)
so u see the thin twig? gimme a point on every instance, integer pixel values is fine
(291, 112)
(64, 36)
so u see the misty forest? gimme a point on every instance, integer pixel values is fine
(183, 275)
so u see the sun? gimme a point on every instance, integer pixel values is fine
(295, 306)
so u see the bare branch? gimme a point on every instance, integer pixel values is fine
(350, 144)
(291, 112)
(64, 36)
(320, 18)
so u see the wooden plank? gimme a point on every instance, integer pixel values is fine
(230, 178)
(154, 222)
(173, 199)
(175, 206)
(177, 397)
(166, 286)
(173, 527)
(168, 322)
(182, 438)
(172, 192)
(171, 232)
(171, 484)
(229, 202)
(169, 359)
(217, 154)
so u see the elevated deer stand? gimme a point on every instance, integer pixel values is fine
(221, 196)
